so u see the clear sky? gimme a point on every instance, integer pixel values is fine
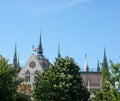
(79, 26)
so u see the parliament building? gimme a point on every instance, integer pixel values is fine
(37, 63)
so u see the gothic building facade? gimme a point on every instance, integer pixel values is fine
(38, 63)
(35, 64)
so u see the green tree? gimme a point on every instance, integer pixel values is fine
(8, 81)
(61, 82)
(110, 80)
(115, 74)
(105, 87)
(22, 97)
(104, 94)
(115, 79)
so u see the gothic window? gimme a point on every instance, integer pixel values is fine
(27, 76)
(35, 75)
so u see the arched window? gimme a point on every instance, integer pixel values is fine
(27, 76)
(35, 75)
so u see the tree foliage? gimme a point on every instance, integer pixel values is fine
(22, 97)
(115, 75)
(25, 89)
(110, 84)
(106, 86)
(61, 82)
(110, 76)
(8, 81)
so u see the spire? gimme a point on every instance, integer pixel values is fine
(59, 55)
(105, 74)
(98, 66)
(105, 63)
(15, 57)
(86, 67)
(40, 49)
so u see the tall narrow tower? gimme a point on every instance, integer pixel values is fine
(86, 67)
(15, 57)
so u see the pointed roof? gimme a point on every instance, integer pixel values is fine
(59, 55)
(40, 49)
(86, 67)
(15, 57)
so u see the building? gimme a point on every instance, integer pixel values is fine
(91, 79)
(35, 64)
(38, 63)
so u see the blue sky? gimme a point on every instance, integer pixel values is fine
(79, 26)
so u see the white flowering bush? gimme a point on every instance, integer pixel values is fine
(61, 82)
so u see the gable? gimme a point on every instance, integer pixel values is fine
(32, 65)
